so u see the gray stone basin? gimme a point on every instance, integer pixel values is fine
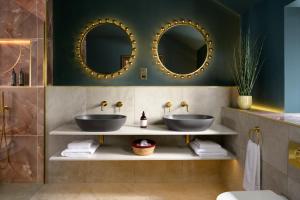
(188, 122)
(100, 123)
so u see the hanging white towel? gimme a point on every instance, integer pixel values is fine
(252, 167)
(83, 144)
(80, 152)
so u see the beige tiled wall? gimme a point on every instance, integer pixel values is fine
(63, 103)
(277, 174)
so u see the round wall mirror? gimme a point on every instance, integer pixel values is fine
(182, 49)
(106, 49)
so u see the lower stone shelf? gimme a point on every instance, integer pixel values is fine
(109, 153)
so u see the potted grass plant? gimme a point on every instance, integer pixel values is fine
(246, 67)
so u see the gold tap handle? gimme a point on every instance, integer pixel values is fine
(103, 104)
(168, 105)
(119, 104)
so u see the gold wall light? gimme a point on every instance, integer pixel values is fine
(81, 40)
(206, 36)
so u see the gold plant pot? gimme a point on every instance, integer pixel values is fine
(244, 102)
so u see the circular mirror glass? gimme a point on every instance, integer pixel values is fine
(106, 48)
(182, 49)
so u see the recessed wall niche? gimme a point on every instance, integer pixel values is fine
(15, 54)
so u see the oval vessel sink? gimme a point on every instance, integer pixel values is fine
(188, 122)
(100, 123)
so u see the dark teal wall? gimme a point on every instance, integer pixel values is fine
(266, 19)
(144, 17)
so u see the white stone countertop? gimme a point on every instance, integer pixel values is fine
(73, 129)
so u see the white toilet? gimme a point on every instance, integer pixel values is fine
(250, 195)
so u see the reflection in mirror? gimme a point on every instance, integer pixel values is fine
(106, 48)
(182, 49)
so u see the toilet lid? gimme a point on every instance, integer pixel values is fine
(250, 195)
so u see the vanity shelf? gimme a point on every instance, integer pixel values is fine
(108, 153)
(72, 129)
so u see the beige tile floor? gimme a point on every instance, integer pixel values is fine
(112, 191)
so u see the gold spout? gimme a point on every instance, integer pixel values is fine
(184, 104)
(119, 104)
(103, 104)
(168, 105)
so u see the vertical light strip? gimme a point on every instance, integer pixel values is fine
(45, 60)
(30, 63)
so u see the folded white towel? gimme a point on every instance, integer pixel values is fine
(80, 152)
(209, 152)
(205, 144)
(212, 150)
(83, 144)
(252, 167)
(219, 150)
(212, 154)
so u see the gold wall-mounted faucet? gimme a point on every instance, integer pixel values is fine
(103, 104)
(119, 104)
(168, 105)
(184, 104)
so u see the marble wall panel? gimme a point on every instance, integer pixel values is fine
(23, 159)
(17, 20)
(21, 118)
(23, 127)
(24, 19)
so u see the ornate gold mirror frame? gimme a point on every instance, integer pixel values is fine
(198, 27)
(80, 58)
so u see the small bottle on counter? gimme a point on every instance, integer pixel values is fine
(13, 78)
(143, 123)
(21, 77)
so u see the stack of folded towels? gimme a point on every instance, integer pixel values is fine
(205, 148)
(82, 148)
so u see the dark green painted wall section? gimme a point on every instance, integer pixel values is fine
(266, 19)
(144, 17)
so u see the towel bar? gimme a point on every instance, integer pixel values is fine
(254, 134)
